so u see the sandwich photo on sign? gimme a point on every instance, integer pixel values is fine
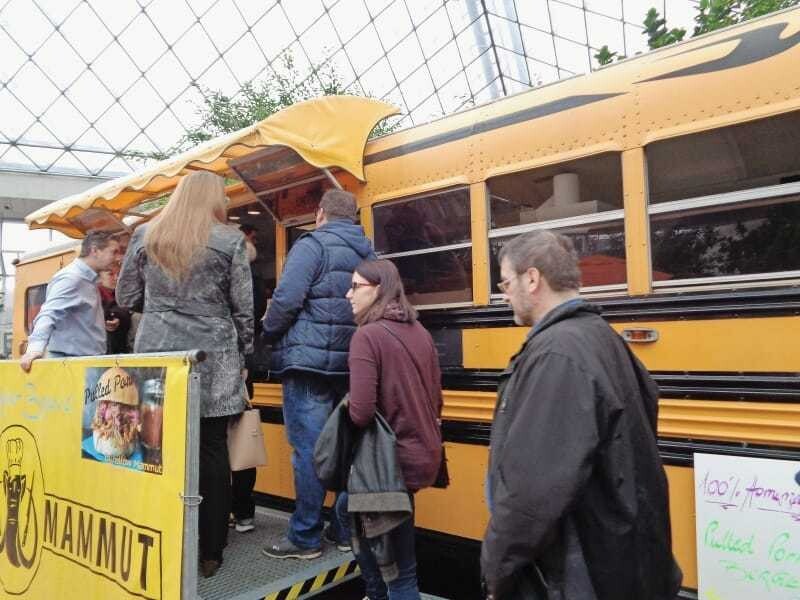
(122, 420)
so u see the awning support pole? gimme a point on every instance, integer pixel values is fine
(333, 179)
(267, 208)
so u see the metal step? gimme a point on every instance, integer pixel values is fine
(249, 575)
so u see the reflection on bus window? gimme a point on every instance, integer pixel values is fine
(726, 203)
(429, 239)
(443, 277)
(440, 219)
(601, 249)
(740, 240)
(581, 199)
(756, 154)
(577, 188)
(34, 298)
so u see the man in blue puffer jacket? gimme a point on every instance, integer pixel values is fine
(311, 323)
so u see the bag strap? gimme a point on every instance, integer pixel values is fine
(429, 404)
(248, 401)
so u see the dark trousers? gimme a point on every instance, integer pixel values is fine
(215, 487)
(242, 484)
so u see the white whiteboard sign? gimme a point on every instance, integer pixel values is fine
(748, 528)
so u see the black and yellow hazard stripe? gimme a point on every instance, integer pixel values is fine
(300, 589)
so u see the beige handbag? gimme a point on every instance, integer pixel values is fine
(246, 441)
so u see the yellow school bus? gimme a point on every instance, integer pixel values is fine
(676, 174)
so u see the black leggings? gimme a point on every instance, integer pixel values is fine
(215, 487)
(243, 505)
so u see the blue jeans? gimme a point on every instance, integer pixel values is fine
(308, 399)
(405, 586)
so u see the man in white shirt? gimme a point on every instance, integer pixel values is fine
(71, 321)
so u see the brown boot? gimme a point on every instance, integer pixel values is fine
(209, 568)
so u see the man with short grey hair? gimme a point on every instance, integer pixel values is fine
(71, 321)
(576, 487)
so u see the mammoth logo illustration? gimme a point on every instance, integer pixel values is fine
(20, 508)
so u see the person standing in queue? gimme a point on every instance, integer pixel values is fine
(188, 273)
(117, 339)
(394, 370)
(576, 488)
(71, 321)
(310, 322)
(243, 507)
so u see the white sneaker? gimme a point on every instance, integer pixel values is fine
(244, 525)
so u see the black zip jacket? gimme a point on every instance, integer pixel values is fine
(578, 490)
(366, 459)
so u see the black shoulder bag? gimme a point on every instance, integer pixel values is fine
(443, 476)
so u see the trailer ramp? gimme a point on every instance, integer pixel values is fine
(249, 575)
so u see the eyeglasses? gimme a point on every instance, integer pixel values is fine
(358, 284)
(503, 284)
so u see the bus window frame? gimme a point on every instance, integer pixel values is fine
(28, 290)
(435, 249)
(729, 199)
(555, 225)
(618, 214)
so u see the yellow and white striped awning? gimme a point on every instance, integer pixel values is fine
(325, 132)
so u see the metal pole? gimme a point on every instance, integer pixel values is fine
(332, 178)
(191, 498)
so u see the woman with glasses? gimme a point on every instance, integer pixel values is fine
(188, 273)
(394, 370)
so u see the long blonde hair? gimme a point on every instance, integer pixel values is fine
(180, 232)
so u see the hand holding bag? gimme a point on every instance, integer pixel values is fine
(333, 452)
(246, 440)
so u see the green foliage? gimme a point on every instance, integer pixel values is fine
(711, 15)
(756, 8)
(604, 56)
(715, 14)
(220, 114)
(655, 28)
(151, 205)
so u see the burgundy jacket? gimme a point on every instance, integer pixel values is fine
(384, 378)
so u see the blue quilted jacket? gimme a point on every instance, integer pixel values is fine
(309, 320)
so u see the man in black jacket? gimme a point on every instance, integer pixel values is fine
(576, 487)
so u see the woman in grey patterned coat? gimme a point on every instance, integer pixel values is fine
(189, 275)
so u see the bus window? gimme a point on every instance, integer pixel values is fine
(34, 298)
(428, 237)
(725, 204)
(581, 199)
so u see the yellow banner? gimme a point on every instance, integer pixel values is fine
(92, 458)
